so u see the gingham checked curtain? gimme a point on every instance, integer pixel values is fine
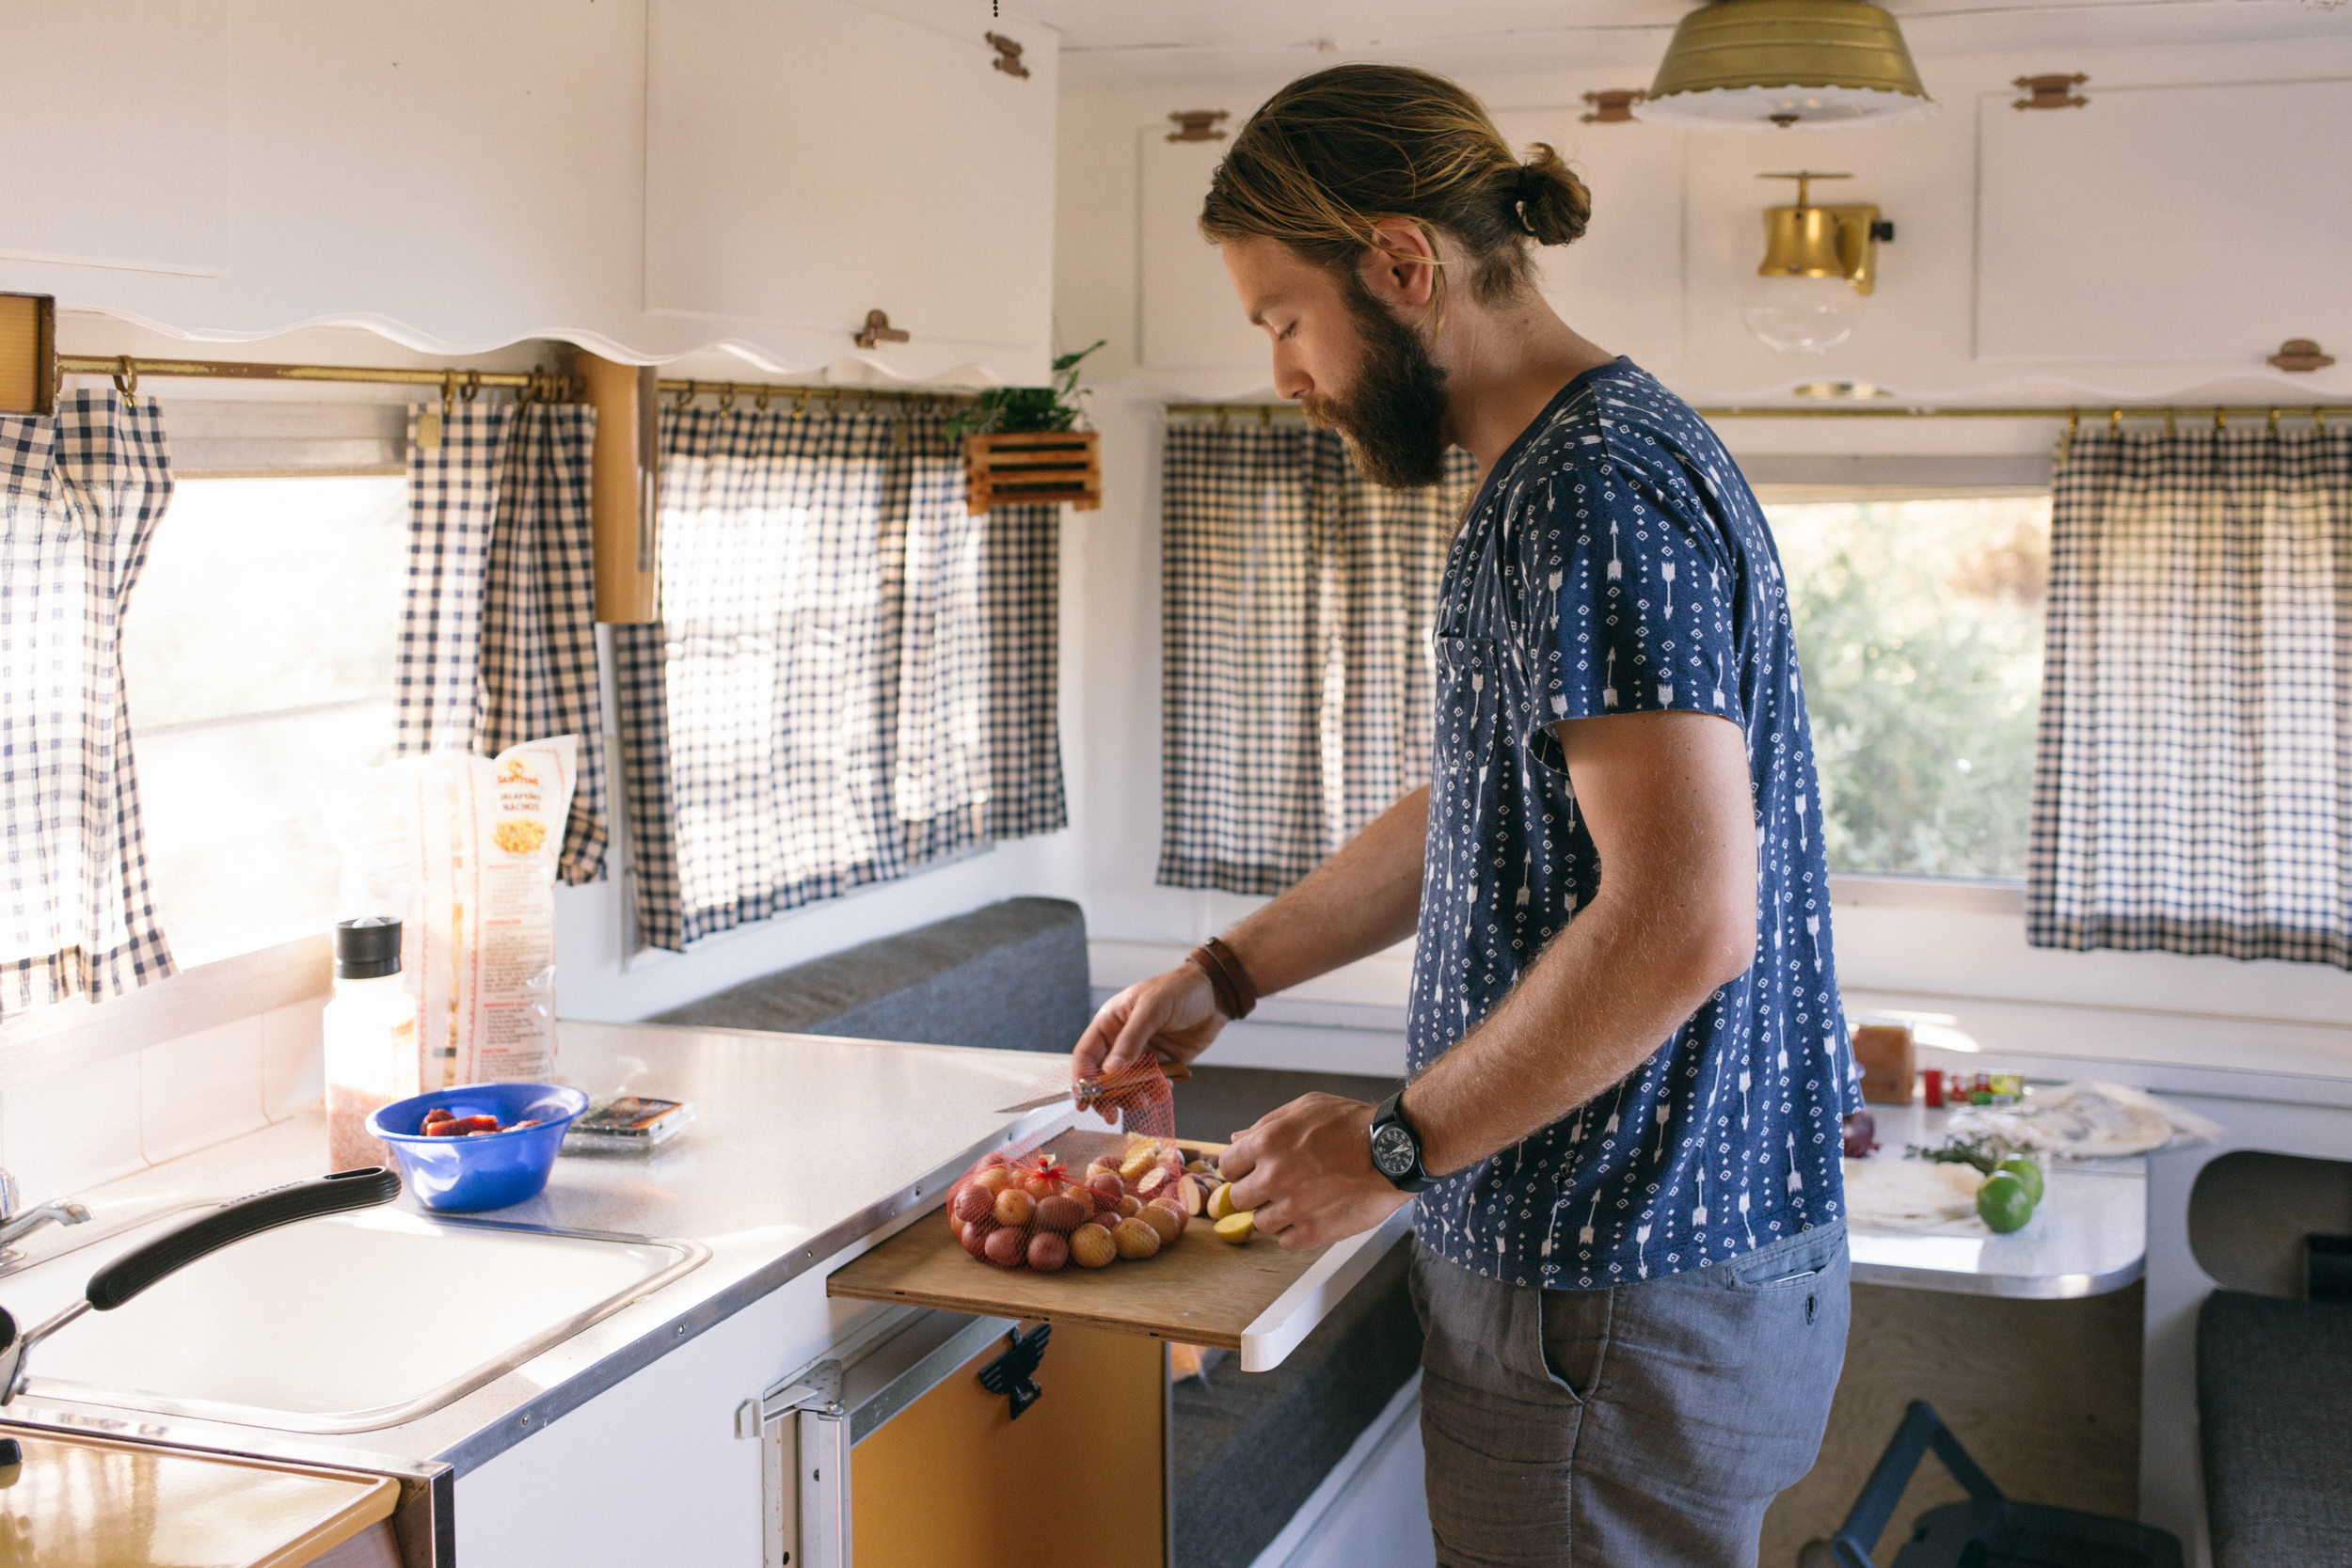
(824, 704)
(80, 495)
(1298, 603)
(452, 509)
(497, 641)
(538, 666)
(2193, 775)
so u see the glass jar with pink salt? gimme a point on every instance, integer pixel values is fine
(370, 1029)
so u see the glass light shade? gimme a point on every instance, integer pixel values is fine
(1756, 65)
(1799, 328)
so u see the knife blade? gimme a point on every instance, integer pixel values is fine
(1087, 1089)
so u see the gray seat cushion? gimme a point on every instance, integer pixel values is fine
(1251, 1447)
(1011, 976)
(2273, 1398)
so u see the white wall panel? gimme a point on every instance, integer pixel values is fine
(1188, 316)
(2166, 223)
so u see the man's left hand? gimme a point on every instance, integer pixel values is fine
(1306, 1173)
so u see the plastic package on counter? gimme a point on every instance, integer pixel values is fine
(466, 846)
(628, 1124)
(1032, 1207)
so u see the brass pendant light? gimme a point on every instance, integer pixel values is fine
(1815, 65)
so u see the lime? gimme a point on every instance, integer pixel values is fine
(2026, 1172)
(2004, 1202)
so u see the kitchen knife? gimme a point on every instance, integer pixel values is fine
(1086, 1091)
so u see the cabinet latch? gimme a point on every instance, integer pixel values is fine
(1007, 55)
(879, 331)
(1014, 1374)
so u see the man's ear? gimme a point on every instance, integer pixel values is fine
(1401, 268)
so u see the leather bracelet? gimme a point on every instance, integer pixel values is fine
(1236, 993)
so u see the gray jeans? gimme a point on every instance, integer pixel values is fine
(1643, 1424)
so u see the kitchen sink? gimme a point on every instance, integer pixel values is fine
(343, 1324)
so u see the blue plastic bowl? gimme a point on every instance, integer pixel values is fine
(488, 1170)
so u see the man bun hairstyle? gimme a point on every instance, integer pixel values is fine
(1329, 156)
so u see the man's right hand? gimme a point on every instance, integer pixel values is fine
(1172, 1015)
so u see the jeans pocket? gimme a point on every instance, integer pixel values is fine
(1799, 1263)
(1573, 1338)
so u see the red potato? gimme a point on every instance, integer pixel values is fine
(1188, 1193)
(1129, 1206)
(1043, 1187)
(1108, 1185)
(972, 1203)
(1059, 1212)
(994, 1157)
(1048, 1251)
(1005, 1247)
(974, 1237)
(1015, 1207)
(1152, 1180)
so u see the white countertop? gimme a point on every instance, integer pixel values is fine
(2087, 1236)
(802, 1147)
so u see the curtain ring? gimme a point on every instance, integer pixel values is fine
(448, 389)
(2220, 419)
(127, 382)
(472, 387)
(2066, 442)
(726, 400)
(2115, 422)
(765, 391)
(687, 394)
(1221, 412)
(2274, 424)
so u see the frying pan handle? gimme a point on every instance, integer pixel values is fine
(184, 1244)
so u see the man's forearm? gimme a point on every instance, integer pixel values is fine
(1363, 899)
(1605, 995)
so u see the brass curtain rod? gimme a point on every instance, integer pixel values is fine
(127, 368)
(2115, 413)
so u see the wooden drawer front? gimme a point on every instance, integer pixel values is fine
(1080, 1478)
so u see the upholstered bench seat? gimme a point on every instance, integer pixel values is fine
(2273, 1398)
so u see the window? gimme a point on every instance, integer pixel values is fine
(258, 656)
(1919, 627)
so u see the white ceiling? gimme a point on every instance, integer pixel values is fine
(1108, 42)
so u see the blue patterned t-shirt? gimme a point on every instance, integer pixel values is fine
(1615, 561)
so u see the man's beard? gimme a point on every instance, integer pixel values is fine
(1389, 413)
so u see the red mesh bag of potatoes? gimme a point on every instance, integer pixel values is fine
(1090, 1199)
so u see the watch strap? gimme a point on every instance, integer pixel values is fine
(1391, 1114)
(1236, 993)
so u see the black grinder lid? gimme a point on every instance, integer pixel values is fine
(366, 948)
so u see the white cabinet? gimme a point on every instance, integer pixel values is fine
(1620, 285)
(2165, 223)
(809, 161)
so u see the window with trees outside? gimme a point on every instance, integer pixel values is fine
(1918, 629)
(257, 659)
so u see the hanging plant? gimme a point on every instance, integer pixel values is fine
(1022, 446)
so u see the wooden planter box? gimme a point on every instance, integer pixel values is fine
(1037, 468)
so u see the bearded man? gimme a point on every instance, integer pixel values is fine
(1628, 1062)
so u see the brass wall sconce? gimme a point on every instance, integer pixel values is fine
(1805, 241)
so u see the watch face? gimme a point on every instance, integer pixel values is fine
(1393, 1150)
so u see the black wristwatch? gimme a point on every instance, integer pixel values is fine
(1396, 1148)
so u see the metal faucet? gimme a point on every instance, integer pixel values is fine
(15, 1225)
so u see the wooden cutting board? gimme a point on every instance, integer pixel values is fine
(1199, 1290)
(92, 1502)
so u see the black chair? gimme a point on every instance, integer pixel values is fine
(1987, 1530)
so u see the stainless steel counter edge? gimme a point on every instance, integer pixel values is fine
(539, 1411)
(2053, 1287)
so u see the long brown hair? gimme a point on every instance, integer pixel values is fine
(1330, 155)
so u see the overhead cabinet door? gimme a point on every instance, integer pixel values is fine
(809, 161)
(2181, 224)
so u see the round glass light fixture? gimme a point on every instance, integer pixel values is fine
(1810, 65)
(1799, 328)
